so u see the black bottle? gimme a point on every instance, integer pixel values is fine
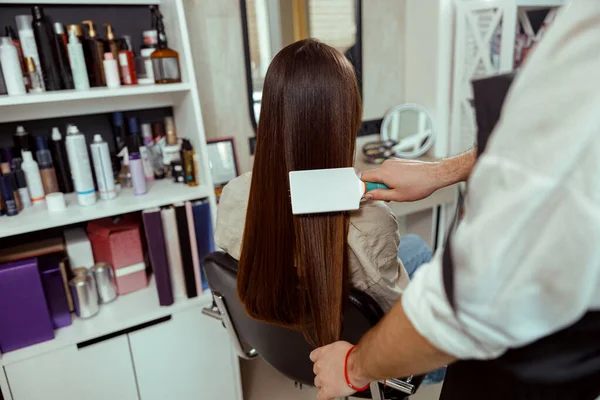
(66, 75)
(61, 162)
(46, 45)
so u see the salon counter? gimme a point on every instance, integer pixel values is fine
(440, 197)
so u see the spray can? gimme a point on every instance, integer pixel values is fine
(81, 170)
(103, 168)
(136, 166)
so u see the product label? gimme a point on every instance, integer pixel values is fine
(166, 69)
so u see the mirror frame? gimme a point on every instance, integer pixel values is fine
(410, 107)
(358, 64)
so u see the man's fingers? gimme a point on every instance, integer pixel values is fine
(322, 395)
(317, 382)
(371, 176)
(382, 194)
(316, 368)
(314, 355)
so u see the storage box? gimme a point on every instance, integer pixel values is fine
(79, 248)
(54, 290)
(24, 316)
(118, 242)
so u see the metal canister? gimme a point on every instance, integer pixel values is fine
(80, 271)
(105, 282)
(85, 296)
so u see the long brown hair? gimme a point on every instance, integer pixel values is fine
(293, 270)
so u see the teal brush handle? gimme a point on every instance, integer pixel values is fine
(372, 186)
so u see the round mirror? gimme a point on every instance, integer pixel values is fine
(412, 127)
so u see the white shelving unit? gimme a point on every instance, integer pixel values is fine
(142, 306)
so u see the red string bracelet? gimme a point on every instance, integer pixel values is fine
(356, 389)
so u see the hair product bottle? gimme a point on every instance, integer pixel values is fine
(138, 179)
(59, 30)
(61, 161)
(22, 140)
(171, 132)
(147, 134)
(11, 67)
(34, 79)
(111, 71)
(46, 46)
(2, 83)
(9, 198)
(62, 54)
(81, 169)
(150, 43)
(5, 160)
(27, 37)
(10, 32)
(147, 163)
(125, 173)
(15, 189)
(34, 179)
(127, 62)
(189, 164)
(112, 45)
(103, 168)
(165, 61)
(22, 188)
(95, 49)
(44, 158)
(77, 62)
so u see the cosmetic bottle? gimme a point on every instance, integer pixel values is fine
(147, 162)
(125, 173)
(9, 198)
(11, 67)
(165, 61)
(134, 126)
(113, 46)
(10, 32)
(62, 54)
(144, 68)
(4, 163)
(178, 172)
(61, 162)
(94, 46)
(81, 170)
(44, 159)
(59, 30)
(127, 62)
(22, 186)
(22, 140)
(147, 134)
(34, 179)
(27, 38)
(103, 168)
(15, 189)
(34, 79)
(46, 46)
(77, 62)
(119, 131)
(111, 71)
(171, 132)
(138, 179)
(189, 164)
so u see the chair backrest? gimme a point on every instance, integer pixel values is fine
(284, 349)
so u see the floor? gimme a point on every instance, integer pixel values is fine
(262, 382)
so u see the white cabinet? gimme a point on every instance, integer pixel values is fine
(186, 358)
(97, 372)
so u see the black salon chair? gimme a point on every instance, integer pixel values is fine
(285, 349)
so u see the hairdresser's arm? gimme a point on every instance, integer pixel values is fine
(411, 180)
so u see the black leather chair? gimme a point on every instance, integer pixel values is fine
(285, 349)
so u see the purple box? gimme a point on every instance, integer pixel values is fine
(24, 316)
(54, 290)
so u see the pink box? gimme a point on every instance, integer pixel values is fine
(118, 242)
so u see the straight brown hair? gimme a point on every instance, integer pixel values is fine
(293, 269)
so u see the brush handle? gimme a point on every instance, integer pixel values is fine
(372, 186)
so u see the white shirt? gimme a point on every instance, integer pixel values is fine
(527, 253)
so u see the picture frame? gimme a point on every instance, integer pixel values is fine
(222, 160)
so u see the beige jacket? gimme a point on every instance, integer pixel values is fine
(373, 240)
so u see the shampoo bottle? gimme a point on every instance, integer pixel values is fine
(61, 161)
(27, 37)
(111, 71)
(34, 179)
(44, 158)
(45, 39)
(81, 169)
(127, 62)
(103, 168)
(10, 32)
(11, 67)
(112, 46)
(95, 48)
(77, 62)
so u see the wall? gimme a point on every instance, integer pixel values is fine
(217, 46)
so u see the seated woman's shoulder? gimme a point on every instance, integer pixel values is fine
(374, 215)
(237, 190)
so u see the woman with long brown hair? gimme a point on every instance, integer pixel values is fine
(295, 270)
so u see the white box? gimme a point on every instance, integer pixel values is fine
(79, 248)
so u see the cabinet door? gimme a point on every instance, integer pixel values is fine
(186, 358)
(97, 372)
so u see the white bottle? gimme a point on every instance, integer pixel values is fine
(27, 39)
(147, 163)
(34, 179)
(11, 67)
(103, 168)
(111, 71)
(81, 170)
(77, 61)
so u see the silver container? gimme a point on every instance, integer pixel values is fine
(85, 296)
(105, 282)
(80, 271)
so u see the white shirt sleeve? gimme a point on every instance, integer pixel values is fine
(527, 253)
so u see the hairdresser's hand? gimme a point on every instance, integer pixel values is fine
(408, 180)
(329, 370)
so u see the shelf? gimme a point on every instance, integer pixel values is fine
(80, 102)
(540, 3)
(84, 2)
(160, 193)
(125, 312)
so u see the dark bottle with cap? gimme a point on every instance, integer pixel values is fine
(189, 166)
(22, 187)
(119, 131)
(94, 46)
(61, 162)
(9, 198)
(44, 160)
(23, 140)
(46, 45)
(15, 188)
